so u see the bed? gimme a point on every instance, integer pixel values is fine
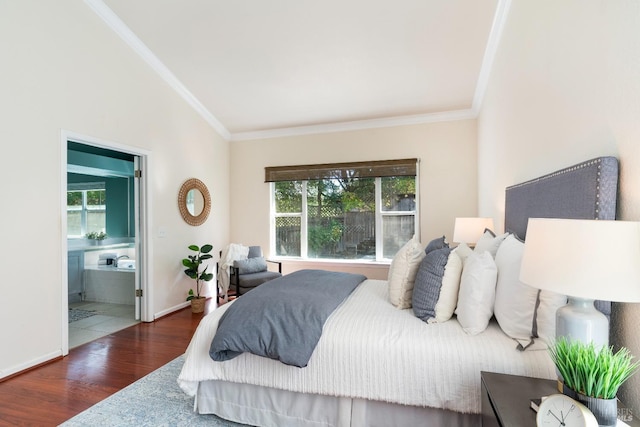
(378, 365)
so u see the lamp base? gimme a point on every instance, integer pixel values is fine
(580, 320)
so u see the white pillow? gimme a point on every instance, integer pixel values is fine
(549, 304)
(463, 251)
(524, 313)
(515, 305)
(448, 298)
(477, 292)
(402, 273)
(489, 242)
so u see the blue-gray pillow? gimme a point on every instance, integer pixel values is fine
(250, 265)
(255, 252)
(435, 244)
(426, 289)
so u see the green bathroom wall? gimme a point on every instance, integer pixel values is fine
(90, 164)
(87, 163)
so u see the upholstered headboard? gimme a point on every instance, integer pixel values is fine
(587, 190)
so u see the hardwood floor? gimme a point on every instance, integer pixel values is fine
(55, 392)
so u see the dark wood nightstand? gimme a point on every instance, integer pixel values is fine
(506, 399)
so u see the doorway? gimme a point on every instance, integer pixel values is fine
(104, 239)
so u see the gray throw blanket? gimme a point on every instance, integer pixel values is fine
(282, 319)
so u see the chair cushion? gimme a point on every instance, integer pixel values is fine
(249, 281)
(250, 265)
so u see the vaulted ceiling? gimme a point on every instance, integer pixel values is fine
(258, 68)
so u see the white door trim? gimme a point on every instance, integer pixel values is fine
(144, 266)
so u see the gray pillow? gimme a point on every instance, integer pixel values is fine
(251, 265)
(438, 243)
(426, 289)
(255, 252)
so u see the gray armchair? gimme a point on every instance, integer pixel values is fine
(248, 273)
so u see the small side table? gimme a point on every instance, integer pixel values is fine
(506, 400)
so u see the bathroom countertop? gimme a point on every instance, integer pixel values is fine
(93, 245)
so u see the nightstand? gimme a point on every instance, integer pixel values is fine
(506, 400)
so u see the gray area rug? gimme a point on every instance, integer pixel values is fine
(154, 400)
(76, 314)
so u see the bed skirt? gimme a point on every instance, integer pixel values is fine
(270, 407)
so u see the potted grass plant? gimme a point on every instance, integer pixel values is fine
(594, 374)
(193, 264)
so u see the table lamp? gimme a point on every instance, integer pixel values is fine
(586, 260)
(469, 230)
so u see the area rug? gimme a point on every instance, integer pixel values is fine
(152, 401)
(76, 314)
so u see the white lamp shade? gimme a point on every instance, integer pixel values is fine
(592, 259)
(469, 230)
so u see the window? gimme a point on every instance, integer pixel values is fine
(86, 208)
(363, 211)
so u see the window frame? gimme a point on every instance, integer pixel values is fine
(84, 209)
(380, 215)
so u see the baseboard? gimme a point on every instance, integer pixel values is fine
(170, 310)
(5, 374)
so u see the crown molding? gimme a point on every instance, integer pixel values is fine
(495, 35)
(357, 125)
(120, 28)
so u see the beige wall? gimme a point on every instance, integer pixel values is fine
(63, 69)
(447, 153)
(565, 87)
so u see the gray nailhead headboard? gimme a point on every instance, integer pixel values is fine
(588, 190)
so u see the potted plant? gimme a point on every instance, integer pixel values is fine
(96, 236)
(594, 374)
(193, 263)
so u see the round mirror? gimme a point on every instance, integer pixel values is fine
(194, 202)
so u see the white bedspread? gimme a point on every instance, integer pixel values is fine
(371, 350)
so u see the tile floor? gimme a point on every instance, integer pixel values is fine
(108, 318)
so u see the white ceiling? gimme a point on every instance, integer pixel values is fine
(258, 68)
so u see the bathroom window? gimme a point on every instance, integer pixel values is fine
(86, 208)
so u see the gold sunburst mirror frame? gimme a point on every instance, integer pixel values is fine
(194, 202)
